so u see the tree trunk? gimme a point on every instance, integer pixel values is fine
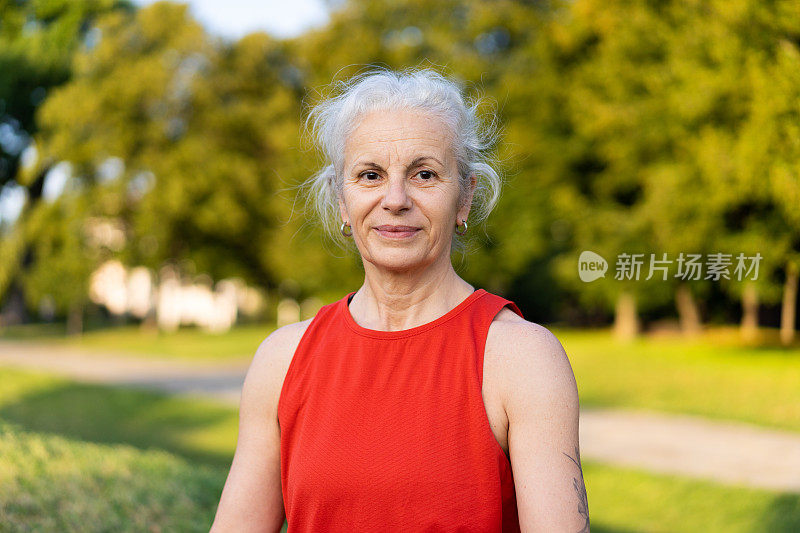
(75, 320)
(13, 311)
(789, 310)
(20, 257)
(626, 321)
(688, 315)
(749, 325)
(149, 323)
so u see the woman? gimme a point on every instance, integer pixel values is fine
(415, 403)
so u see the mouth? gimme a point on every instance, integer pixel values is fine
(396, 232)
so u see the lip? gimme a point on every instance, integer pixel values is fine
(396, 232)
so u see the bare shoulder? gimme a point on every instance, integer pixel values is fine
(282, 342)
(531, 362)
(518, 338)
(271, 362)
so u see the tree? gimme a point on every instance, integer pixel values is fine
(179, 139)
(771, 142)
(37, 40)
(659, 95)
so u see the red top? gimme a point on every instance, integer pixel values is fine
(387, 430)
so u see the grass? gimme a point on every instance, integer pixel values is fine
(51, 483)
(712, 376)
(187, 343)
(84, 457)
(197, 430)
(92, 458)
(626, 500)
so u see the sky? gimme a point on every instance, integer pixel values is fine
(234, 18)
(230, 19)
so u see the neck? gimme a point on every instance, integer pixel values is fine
(391, 300)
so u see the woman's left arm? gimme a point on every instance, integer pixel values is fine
(541, 401)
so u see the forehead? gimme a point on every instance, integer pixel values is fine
(403, 133)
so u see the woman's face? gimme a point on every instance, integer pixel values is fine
(400, 190)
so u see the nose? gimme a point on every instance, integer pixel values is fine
(395, 197)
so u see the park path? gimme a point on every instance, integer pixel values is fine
(725, 452)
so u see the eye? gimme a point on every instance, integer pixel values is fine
(426, 175)
(371, 176)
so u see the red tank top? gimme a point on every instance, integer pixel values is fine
(387, 430)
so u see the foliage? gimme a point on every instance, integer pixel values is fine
(629, 126)
(37, 42)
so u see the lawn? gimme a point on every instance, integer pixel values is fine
(92, 458)
(197, 430)
(52, 483)
(713, 376)
(186, 343)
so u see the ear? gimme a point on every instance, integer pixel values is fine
(343, 210)
(463, 211)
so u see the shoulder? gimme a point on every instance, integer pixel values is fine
(533, 366)
(270, 363)
(275, 352)
(282, 340)
(523, 341)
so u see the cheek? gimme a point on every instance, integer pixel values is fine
(354, 200)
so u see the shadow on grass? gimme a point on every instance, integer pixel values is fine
(600, 528)
(197, 430)
(37, 330)
(783, 514)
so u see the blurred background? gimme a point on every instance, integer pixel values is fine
(152, 232)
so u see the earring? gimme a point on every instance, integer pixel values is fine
(346, 225)
(462, 232)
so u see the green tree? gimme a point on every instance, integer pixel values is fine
(659, 94)
(180, 140)
(771, 146)
(37, 41)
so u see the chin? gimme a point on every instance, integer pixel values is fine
(398, 259)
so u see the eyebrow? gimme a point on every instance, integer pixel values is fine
(414, 163)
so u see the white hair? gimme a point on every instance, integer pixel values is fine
(333, 119)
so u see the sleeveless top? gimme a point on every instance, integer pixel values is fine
(387, 430)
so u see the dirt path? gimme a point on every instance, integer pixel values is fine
(220, 380)
(725, 452)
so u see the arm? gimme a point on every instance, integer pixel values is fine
(252, 499)
(542, 408)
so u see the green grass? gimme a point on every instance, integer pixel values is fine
(713, 376)
(51, 483)
(57, 330)
(186, 343)
(83, 457)
(91, 458)
(626, 500)
(197, 430)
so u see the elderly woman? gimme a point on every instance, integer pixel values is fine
(417, 402)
